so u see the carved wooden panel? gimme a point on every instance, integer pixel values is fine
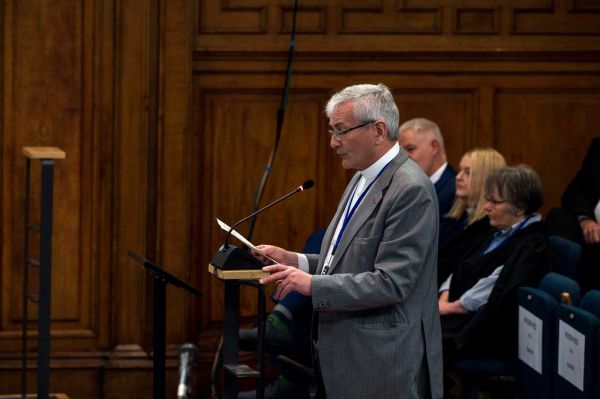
(158, 145)
(559, 17)
(477, 21)
(493, 21)
(400, 17)
(548, 129)
(453, 111)
(239, 133)
(45, 105)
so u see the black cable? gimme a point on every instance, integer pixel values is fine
(263, 181)
(280, 118)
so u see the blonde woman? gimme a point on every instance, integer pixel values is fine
(469, 203)
(467, 224)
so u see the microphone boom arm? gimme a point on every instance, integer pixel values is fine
(307, 184)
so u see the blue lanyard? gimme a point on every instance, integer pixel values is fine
(351, 209)
(507, 239)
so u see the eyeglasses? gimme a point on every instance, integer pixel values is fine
(493, 201)
(340, 135)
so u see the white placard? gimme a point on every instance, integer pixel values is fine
(571, 350)
(530, 339)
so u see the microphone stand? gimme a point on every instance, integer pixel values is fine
(253, 214)
(161, 279)
(263, 181)
(234, 258)
(280, 118)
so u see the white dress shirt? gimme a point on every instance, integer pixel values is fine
(367, 176)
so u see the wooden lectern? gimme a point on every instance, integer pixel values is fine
(233, 280)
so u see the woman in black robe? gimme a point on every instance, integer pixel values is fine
(478, 300)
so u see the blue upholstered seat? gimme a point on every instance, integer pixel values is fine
(569, 253)
(576, 372)
(537, 306)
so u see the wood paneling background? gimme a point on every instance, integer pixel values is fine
(167, 113)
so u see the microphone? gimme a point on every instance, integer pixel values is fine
(304, 186)
(187, 358)
(229, 257)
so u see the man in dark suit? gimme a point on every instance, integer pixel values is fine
(373, 286)
(582, 199)
(423, 142)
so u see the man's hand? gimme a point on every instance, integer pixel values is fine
(590, 230)
(267, 252)
(288, 279)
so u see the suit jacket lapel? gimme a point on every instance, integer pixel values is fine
(366, 208)
(328, 238)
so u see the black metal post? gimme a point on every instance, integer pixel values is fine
(231, 325)
(160, 321)
(25, 325)
(260, 344)
(43, 382)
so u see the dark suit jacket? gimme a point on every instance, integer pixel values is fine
(583, 193)
(445, 189)
(579, 199)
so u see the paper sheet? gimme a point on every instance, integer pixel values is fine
(530, 339)
(571, 351)
(243, 239)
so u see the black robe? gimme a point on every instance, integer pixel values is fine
(461, 246)
(526, 257)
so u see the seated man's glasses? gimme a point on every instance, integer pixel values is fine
(340, 135)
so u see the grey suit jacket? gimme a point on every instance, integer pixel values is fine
(378, 320)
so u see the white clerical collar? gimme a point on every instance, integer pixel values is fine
(436, 176)
(372, 171)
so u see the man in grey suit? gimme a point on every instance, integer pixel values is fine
(373, 286)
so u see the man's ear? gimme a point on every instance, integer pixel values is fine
(380, 130)
(435, 145)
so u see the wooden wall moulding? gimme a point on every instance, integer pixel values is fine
(470, 21)
(223, 16)
(584, 6)
(381, 17)
(385, 26)
(313, 20)
(557, 18)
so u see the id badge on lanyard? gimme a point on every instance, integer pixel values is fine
(327, 264)
(349, 212)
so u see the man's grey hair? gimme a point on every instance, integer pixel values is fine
(371, 102)
(423, 126)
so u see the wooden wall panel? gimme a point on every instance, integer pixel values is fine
(243, 126)
(454, 62)
(350, 26)
(453, 111)
(44, 103)
(566, 18)
(167, 111)
(548, 129)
